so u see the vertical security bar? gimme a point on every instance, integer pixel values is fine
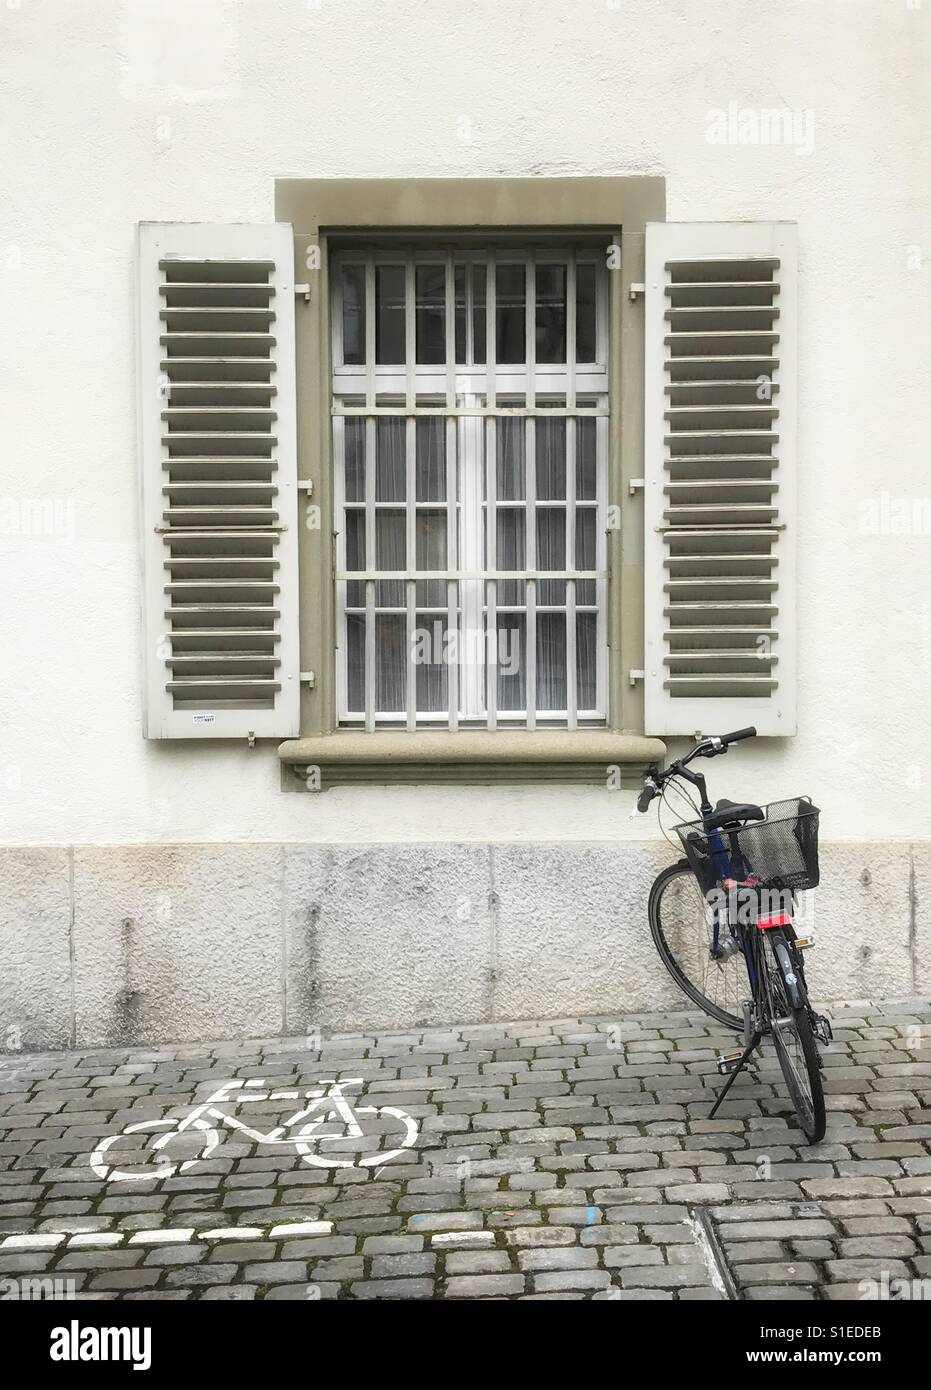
(530, 489)
(410, 488)
(602, 445)
(572, 436)
(370, 494)
(452, 560)
(491, 492)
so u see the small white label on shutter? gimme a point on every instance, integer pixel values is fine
(204, 719)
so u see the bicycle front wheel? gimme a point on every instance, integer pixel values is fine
(684, 937)
(796, 1049)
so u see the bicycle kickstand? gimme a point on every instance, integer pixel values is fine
(738, 1068)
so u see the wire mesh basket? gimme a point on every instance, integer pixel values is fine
(778, 852)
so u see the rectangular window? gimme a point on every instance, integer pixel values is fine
(470, 436)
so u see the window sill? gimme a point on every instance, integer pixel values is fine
(477, 756)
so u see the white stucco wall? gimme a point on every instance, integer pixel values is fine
(106, 123)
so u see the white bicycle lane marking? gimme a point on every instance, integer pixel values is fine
(27, 1241)
(324, 1103)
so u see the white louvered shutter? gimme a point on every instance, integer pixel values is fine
(219, 480)
(719, 442)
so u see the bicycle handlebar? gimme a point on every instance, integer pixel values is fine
(708, 747)
(738, 735)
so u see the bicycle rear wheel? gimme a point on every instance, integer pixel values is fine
(684, 938)
(795, 1047)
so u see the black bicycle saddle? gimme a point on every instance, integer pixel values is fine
(730, 812)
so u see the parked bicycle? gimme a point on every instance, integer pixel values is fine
(723, 916)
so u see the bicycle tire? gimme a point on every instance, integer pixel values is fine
(669, 956)
(809, 1110)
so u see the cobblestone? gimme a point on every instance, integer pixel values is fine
(556, 1159)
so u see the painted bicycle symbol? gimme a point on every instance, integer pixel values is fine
(329, 1118)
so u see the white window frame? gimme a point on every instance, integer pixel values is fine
(471, 398)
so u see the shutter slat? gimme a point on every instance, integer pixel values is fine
(720, 310)
(219, 480)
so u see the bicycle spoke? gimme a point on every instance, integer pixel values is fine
(719, 984)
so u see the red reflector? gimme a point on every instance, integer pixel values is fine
(782, 919)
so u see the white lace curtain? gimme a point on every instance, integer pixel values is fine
(549, 521)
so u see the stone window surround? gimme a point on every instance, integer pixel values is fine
(321, 209)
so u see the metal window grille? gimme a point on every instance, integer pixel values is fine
(470, 432)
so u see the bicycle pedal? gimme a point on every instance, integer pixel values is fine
(803, 943)
(823, 1030)
(728, 1061)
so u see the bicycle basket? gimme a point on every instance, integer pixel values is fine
(778, 852)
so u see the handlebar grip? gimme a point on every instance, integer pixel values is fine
(738, 735)
(645, 797)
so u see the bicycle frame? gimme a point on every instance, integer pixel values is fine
(722, 862)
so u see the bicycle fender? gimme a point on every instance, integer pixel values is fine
(789, 977)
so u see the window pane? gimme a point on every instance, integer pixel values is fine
(479, 332)
(512, 593)
(551, 538)
(355, 539)
(551, 313)
(431, 312)
(511, 539)
(390, 662)
(510, 314)
(354, 450)
(355, 556)
(551, 553)
(460, 291)
(511, 456)
(431, 459)
(585, 338)
(585, 461)
(585, 538)
(551, 661)
(389, 314)
(431, 555)
(586, 633)
(511, 668)
(585, 552)
(353, 287)
(390, 540)
(390, 554)
(390, 459)
(429, 648)
(431, 540)
(355, 662)
(511, 552)
(551, 459)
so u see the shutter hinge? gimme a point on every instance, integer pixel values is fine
(306, 485)
(304, 290)
(634, 676)
(309, 678)
(635, 290)
(634, 484)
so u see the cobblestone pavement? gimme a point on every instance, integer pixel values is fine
(570, 1158)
